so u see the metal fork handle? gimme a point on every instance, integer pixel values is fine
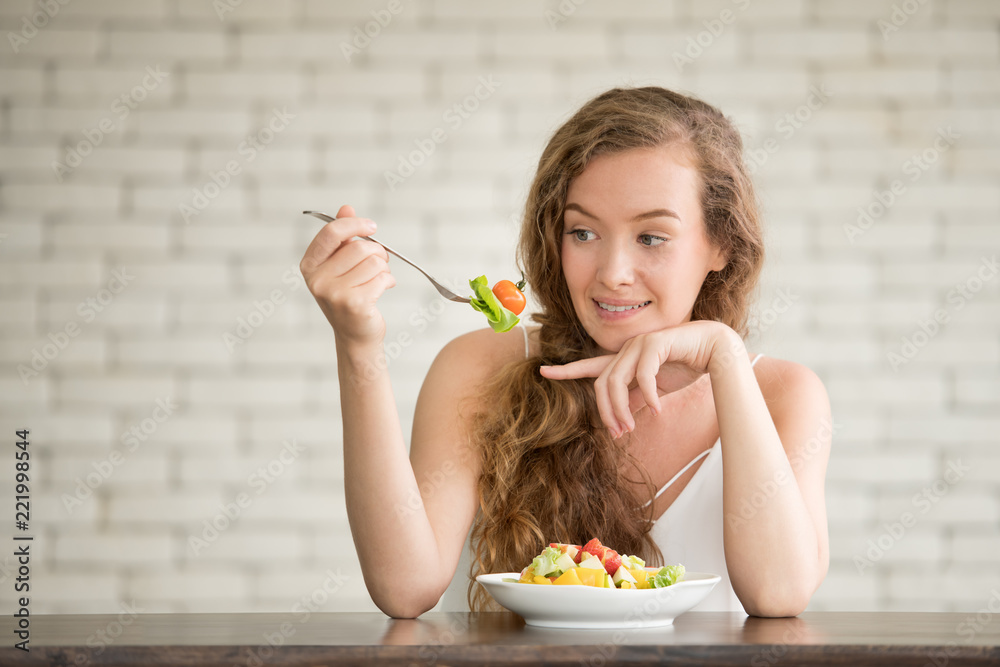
(442, 290)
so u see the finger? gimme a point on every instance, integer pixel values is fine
(618, 387)
(584, 368)
(364, 271)
(345, 211)
(604, 407)
(646, 372)
(330, 238)
(350, 254)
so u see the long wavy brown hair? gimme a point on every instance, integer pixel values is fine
(549, 470)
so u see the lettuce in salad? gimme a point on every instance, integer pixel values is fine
(544, 563)
(486, 302)
(668, 575)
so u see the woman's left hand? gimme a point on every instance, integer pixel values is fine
(647, 366)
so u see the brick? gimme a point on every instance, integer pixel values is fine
(914, 45)
(406, 43)
(50, 274)
(235, 546)
(139, 352)
(400, 83)
(188, 510)
(818, 44)
(61, 197)
(182, 587)
(967, 548)
(887, 469)
(131, 390)
(873, 83)
(163, 45)
(127, 549)
(246, 11)
(244, 85)
(249, 393)
(94, 592)
(566, 43)
(677, 45)
(943, 504)
(52, 42)
(970, 81)
(22, 84)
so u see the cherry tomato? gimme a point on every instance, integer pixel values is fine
(510, 295)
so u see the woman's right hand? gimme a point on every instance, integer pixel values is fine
(347, 276)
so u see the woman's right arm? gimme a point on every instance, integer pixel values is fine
(409, 519)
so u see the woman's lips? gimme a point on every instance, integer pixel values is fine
(615, 315)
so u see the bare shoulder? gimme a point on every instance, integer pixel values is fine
(485, 349)
(470, 359)
(796, 398)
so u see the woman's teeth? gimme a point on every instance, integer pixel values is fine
(618, 309)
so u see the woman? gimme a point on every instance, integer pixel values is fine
(641, 244)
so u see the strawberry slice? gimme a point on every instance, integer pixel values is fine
(612, 561)
(594, 547)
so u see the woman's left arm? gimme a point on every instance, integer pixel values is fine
(774, 451)
(774, 455)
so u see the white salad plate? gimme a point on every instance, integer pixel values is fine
(586, 607)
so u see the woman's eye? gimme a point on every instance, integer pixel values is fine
(650, 240)
(577, 234)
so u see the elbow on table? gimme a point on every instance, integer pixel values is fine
(405, 603)
(778, 604)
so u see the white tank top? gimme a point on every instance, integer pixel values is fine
(689, 532)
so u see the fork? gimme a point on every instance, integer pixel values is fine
(442, 290)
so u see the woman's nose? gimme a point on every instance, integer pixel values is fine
(615, 268)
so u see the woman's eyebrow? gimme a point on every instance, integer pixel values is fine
(655, 213)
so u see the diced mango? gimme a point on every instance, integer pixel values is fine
(627, 584)
(539, 579)
(639, 574)
(569, 578)
(590, 576)
(527, 575)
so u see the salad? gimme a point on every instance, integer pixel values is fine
(501, 305)
(596, 565)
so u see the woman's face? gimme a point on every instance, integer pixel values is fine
(634, 249)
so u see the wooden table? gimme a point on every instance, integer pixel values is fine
(706, 638)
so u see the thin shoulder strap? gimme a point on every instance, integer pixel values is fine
(679, 473)
(524, 329)
(759, 355)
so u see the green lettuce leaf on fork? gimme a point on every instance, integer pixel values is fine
(486, 302)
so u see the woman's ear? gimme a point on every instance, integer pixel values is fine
(720, 260)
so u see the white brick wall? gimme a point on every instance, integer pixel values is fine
(162, 337)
